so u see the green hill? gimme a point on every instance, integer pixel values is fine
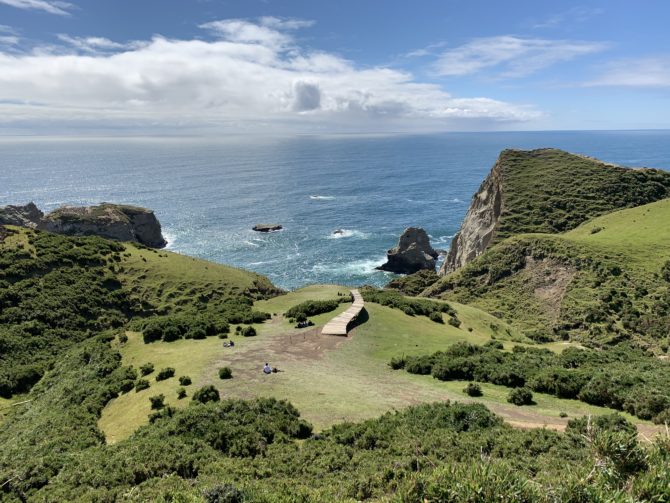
(552, 191)
(601, 283)
(56, 291)
(546, 191)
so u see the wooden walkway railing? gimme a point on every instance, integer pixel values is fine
(339, 324)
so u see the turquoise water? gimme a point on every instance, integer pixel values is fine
(208, 193)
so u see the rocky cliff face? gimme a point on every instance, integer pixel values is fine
(413, 253)
(112, 221)
(21, 216)
(479, 225)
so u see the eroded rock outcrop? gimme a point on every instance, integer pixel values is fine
(479, 225)
(113, 221)
(413, 253)
(27, 215)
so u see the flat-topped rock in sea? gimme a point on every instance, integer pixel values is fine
(119, 222)
(267, 227)
(413, 253)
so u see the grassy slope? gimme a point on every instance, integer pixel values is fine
(552, 191)
(329, 379)
(169, 280)
(635, 240)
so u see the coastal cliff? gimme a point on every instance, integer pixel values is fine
(479, 225)
(112, 221)
(547, 191)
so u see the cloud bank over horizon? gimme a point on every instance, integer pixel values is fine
(238, 74)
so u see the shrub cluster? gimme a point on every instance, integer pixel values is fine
(309, 308)
(183, 326)
(410, 306)
(622, 378)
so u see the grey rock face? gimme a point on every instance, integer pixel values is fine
(112, 221)
(28, 215)
(413, 253)
(479, 225)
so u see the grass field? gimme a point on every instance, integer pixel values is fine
(166, 279)
(328, 378)
(640, 234)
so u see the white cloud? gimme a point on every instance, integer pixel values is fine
(95, 44)
(579, 14)
(250, 74)
(511, 56)
(8, 35)
(239, 30)
(645, 72)
(50, 6)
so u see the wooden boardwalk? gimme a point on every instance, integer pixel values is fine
(339, 324)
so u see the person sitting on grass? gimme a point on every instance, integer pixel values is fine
(267, 369)
(232, 344)
(225, 344)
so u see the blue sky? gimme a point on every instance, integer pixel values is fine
(211, 66)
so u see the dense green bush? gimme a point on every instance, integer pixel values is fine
(141, 384)
(165, 373)
(520, 396)
(248, 331)
(207, 394)
(309, 308)
(473, 389)
(157, 401)
(183, 326)
(437, 317)
(622, 378)
(51, 299)
(410, 306)
(181, 393)
(146, 369)
(184, 380)
(225, 373)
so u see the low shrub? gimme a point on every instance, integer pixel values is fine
(248, 331)
(184, 380)
(157, 401)
(225, 373)
(397, 362)
(473, 389)
(146, 369)
(165, 373)
(436, 317)
(207, 394)
(141, 384)
(181, 393)
(520, 396)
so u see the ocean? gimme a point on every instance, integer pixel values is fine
(209, 193)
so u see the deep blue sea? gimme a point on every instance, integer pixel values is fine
(208, 193)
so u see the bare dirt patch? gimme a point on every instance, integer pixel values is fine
(551, 279)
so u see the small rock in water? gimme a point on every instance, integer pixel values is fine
(338, 232)
(267, 227)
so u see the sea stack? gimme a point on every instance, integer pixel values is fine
(413, 253)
